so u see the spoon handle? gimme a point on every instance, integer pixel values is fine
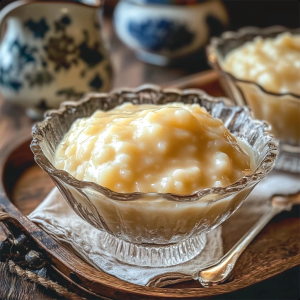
(222, 269)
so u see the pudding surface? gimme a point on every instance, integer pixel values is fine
(173, 148)
(273, 63)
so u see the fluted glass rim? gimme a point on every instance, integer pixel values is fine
(68, 108)
(226, 37)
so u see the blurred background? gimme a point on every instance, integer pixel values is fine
(130, 71)
(53, 51)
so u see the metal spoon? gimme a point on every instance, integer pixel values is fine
(219, 272)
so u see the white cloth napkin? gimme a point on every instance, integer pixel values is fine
(55, 217)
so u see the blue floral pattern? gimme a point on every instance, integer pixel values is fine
(9, 82)
(158, 35)
(22, 55)
(39, 29)
(61, 52)
(90, 55)
(96, 82)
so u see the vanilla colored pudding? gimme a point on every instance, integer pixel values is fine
(174, 148)
(273, 64)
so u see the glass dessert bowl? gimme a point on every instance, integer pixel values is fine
(280, 109)
(154, 229)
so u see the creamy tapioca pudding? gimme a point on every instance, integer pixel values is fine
(173, 148)
(273, 64)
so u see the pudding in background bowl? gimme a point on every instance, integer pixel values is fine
(261, 68)
(155, 221)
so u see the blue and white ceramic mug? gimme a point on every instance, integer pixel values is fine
(161, 31)
(51, 51)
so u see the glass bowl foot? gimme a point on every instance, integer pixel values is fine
(154, 255)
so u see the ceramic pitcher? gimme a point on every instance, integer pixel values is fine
(51, 51)
(163, 32)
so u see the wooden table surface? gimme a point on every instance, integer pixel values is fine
(128, 72)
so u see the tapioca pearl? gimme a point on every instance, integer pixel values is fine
(81, 138)
(141, 132)
(162, 147)
(209, 122)
(71, 150)
(122, 121)
(104, 137)
(99, 114)
(182, 134)
(212, 143)
(126, 174)
(185, 120)
(149, 177)
(108, 175)
(182, 114)
(194, 171)
(178, 186)
(60, 164)
(186, 174)
(239, 174)
(213, 136)
(285, 41)
(285, 68)
(120, 187)
(126, 147)
(83, 153)
(123, 159)
(103, 155)
(151, 117)
(165, 184)
(149, 161)
(72, 164)
(141, 146)
(297, 64)
(253, 72)
(195, 108)
(112, 129)
(221, 162)
(155, 130)
(241, 70)
(268, 80)
(63, 146)
(91, 130)
(60, 151)
(126, 105)
(80, 172)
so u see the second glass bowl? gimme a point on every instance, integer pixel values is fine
(281, 111)
(153, 229)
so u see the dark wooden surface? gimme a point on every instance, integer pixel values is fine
(269, 250)
(276, 249)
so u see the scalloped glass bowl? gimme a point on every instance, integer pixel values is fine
(153, 229)
(282, 111)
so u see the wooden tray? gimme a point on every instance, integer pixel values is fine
(24, 185)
